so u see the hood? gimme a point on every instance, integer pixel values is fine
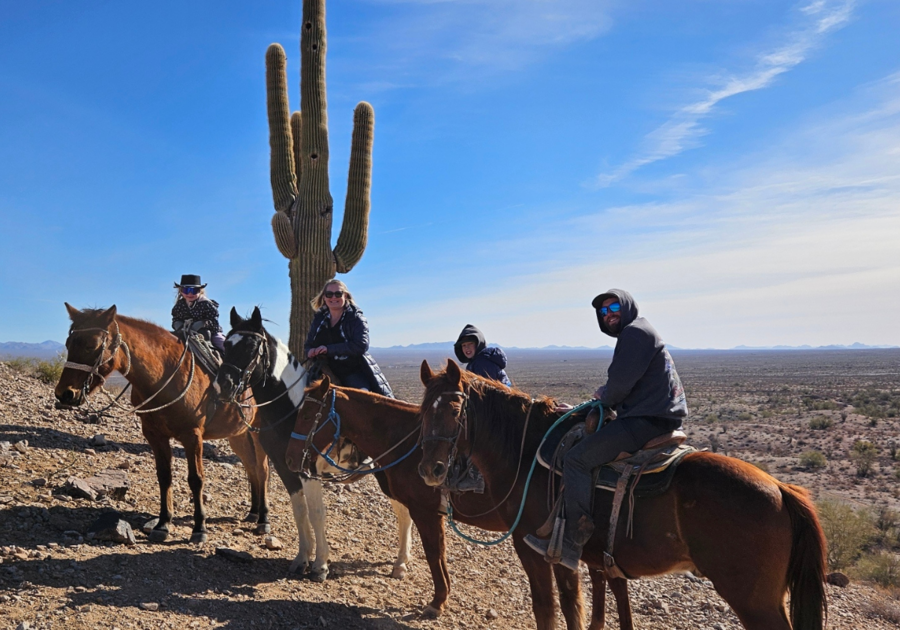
(628, 313)
(469, 331)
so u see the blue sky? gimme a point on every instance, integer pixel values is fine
(734, 164)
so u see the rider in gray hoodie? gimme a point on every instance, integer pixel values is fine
(646, 393)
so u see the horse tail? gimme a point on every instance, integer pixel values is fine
(806, 567)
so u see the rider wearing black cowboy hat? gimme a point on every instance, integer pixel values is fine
(192, 305)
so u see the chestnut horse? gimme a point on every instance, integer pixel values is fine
(754, 537)
(388, 429)
(278, 380)
(170, 394)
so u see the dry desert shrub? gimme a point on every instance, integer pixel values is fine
(882, 567)
(848, 532)
(813, 459)
(46, 370)
(820, 423)
(863, 455)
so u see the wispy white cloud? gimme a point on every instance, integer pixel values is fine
(795, 245)
(683, 130)
(486, 35)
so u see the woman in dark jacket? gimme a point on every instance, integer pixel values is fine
(340, 333)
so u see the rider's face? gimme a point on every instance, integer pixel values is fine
(611, 320)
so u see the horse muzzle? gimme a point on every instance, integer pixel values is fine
(69, 396)
(433, 474)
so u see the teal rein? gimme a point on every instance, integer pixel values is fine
(590, 404)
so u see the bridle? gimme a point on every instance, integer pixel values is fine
(462, 425)
(93, 370)
(260, 356)
(335, 418)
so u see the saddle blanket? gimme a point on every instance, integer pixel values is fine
(657, 466)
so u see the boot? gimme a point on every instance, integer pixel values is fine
(571, 553)
(471, 481)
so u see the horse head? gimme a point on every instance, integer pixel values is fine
(313, 410)
(443, 417)
(246, 359)
(91, 345)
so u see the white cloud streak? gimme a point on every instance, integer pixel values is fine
(683, 130)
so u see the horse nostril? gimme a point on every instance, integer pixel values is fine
(439, 470)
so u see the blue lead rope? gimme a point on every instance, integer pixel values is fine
(335, 418)
(489, 543)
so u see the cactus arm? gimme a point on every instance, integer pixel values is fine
(314, 105)
(282, 173)
(354, 231)
(297, 133)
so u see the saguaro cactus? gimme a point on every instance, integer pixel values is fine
(299, 173)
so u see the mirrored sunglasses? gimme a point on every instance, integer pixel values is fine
(190, 290)
(615, 307)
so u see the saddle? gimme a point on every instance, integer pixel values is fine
(206, 354)
(646, 473)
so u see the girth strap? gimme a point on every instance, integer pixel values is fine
(609, 562)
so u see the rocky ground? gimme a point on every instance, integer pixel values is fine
(52, 576)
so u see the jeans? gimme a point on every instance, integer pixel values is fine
(356, 381)
(596, 449)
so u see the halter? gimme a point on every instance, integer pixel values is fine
(462, 421)
(244, 376)
(94, 370)
(335, 418)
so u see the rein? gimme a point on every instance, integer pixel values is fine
(489, 543)
(335, 419)
(113, 348)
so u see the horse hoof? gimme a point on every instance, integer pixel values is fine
(199, 537)
(298, 567)
(263, 528)
(399, 572)
(158, 535)
(431, 612)
(319, 575)
(251, 518)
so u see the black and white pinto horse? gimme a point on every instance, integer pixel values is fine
(278, 381)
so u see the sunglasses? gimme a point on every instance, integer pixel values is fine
(615, 307)
(334, 294)
(190, 290)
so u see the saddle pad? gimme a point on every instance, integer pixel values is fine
(205, 354)
(655, 478)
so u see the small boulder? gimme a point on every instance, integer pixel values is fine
(232, 555)
(273, 543)
(110, 526)
(98, 440)
(837, 579)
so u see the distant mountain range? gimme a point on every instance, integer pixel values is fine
(50, 349)
(46, 350)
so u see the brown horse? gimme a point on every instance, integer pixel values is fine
(380, 425)
(754, 537)
(100, 342)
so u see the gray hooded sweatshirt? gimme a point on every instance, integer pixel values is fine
(642, 380)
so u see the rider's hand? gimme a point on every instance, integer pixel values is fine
(599, 393)
(563, 407)
(317, 351)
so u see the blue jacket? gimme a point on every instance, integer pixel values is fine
(487, 362)
(354, 350)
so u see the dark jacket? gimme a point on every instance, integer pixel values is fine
(204, 310)
(487, 362)
(642, 380)
(353, 351)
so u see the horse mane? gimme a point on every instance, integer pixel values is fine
(497, 414)
(142, 325)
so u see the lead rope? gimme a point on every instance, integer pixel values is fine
(590, 403)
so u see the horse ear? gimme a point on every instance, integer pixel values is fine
(256, 318)
(453, 371)
(109, 315)
(324, 385)
(425, 372)
(235, 318)
(73, 312)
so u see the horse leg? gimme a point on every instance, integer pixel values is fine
(315, 501)
(619, 587)
(304, 532)
(568, 585)
(162, 453)
(193, 450)
(539, 578)
(598, 599)
(250, 451)
(431, 531)
(404, 531)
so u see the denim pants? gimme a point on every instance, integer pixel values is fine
(601, 447)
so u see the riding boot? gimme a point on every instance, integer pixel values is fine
(471, 481)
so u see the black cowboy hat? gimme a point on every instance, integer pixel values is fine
(189, 280)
